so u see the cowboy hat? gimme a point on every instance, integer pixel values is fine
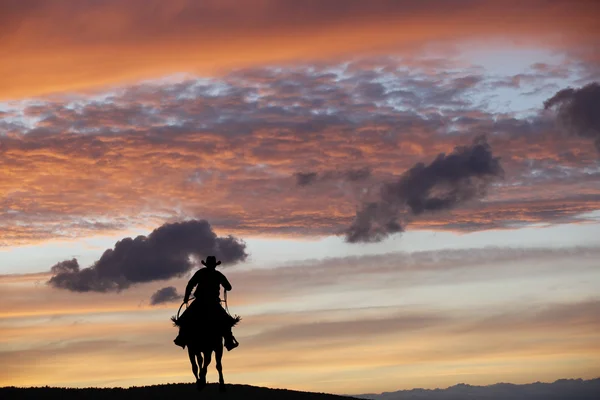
(211, 261)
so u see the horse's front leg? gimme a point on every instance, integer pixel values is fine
(218, 358)
(200, 382)
(205, 364)
(192, 356)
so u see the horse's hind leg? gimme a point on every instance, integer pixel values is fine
(218, 357)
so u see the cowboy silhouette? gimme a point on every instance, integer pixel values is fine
(206, 305)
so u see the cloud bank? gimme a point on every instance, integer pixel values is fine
(227, 150)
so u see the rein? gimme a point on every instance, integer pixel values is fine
(186, 306)
(225, 301)
(193, 298)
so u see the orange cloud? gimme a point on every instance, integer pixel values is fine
(69, 45)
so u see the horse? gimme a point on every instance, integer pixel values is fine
(200, 354)
(206, 337)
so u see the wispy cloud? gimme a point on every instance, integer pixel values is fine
(339, 311)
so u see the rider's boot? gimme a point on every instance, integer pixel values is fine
(180, 340)
(230, 342)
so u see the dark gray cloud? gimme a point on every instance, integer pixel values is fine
(165, 295)
(462, 175)
(358, 174)
(374, 222)
(305, 178)
(163, 254)
(448, 181)
(578, 111)
(352, 175)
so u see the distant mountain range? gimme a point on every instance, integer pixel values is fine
(562, 389)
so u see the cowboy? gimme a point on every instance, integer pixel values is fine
(208, 282)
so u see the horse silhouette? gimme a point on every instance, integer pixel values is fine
(200, 355)
(205, 337)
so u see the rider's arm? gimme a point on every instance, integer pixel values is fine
(225, 283)
(191, 284)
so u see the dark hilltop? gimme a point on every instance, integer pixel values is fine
(168, 391)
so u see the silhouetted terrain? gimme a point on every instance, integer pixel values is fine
(170, 392)
(563, 389)
(572, 389)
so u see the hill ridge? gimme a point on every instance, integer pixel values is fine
(172, 391)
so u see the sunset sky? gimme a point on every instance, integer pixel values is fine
(403, 193)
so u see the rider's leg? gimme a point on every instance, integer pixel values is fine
(226, 322)
(230, 342)
(180, 339)
(184, 322)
